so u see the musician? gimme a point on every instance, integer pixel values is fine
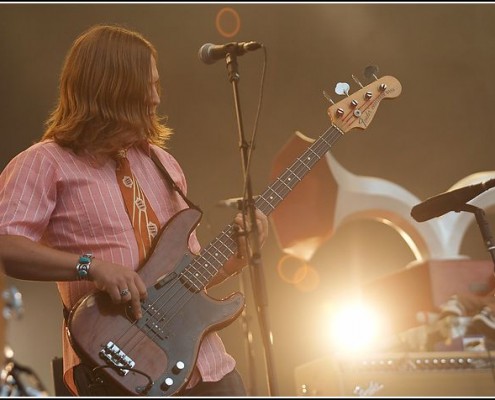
(64, 217)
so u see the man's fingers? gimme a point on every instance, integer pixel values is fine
(136, 304)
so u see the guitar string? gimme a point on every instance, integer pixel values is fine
(337, 133)
(177, 284)
(144, 333)
(297, 168)
(194, 272)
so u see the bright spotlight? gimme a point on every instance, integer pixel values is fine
(354, 328)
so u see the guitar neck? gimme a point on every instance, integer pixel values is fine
(205, 266)
(284, 184)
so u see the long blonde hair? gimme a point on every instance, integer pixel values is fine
(104, 97)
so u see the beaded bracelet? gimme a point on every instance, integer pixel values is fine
(83, 266)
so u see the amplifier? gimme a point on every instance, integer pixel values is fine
(399, 374)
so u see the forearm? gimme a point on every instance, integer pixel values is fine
(25, 259)
(28, 260)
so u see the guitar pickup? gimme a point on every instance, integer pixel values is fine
(156, 329)
(112, 354)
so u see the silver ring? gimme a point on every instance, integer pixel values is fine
(124, 292)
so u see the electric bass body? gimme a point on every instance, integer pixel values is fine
(155, 355)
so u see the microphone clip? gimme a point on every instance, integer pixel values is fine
(236, 202)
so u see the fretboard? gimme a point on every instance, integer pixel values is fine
(205, 266)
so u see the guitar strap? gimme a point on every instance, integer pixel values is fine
(172, 183)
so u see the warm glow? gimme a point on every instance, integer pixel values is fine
(352, 327)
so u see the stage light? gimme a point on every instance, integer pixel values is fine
(353, 327)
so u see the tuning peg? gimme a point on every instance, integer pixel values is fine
(327, 96)
(342, 88)
(357, 81)
(370, 72)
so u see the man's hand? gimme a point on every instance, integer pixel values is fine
(262, 226)
(122, 284)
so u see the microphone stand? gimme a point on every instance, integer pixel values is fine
(254, 259)
(484, 228)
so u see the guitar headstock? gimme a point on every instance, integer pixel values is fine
(358, 109)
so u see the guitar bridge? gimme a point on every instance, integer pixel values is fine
(113, 356)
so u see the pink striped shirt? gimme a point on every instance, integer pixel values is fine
(66, 201)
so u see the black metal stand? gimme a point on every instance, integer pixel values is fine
(255, 262)
(484, 228)
(17, 380)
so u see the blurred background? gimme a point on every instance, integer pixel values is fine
(438, 131)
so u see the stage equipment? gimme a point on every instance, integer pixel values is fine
(17, 380)
(424, 286)
(399, 374)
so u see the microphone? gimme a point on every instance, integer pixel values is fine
(449, 201)
(209, 53)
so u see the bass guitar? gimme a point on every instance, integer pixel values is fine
(155, 355)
